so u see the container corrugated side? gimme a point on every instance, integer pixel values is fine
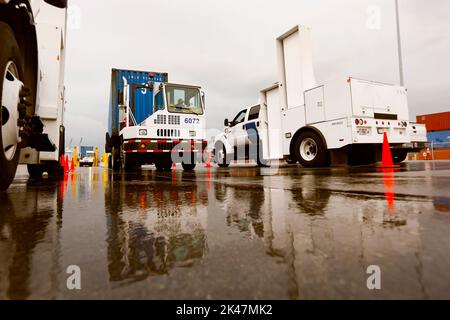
(141, 99)
(435, 121)
(439, 138)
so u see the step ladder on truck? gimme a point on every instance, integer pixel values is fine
(152, 121)
(340, 122)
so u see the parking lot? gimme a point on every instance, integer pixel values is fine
(242, 232)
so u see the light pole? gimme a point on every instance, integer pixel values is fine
(399, 44)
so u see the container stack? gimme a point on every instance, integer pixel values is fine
(438, 128)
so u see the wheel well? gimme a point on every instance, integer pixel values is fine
(300, 131)
(18, 15)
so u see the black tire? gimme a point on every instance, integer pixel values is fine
(9, 51)
(53, 169)
(399, 156)
(115, 159)
(188, 166)
(35, 170)
(130, 163)
(163, 165)
(225, 162)
(291, 161)
(316, 154)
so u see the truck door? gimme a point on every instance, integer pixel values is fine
(238, 133)
(251, 127)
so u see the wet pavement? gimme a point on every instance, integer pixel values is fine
(237, 233)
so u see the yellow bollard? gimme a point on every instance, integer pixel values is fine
(95, 164)
(105, 160)
(75, 156)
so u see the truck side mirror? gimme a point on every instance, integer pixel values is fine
(226, 123)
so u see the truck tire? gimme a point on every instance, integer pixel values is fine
(163, 165)
(10, 72)
(220, 155)
(115, 159)
(188, 166)
(291, 161)
(53, 169)
(130, 163)
(310, 150)
(35, 170)
(399, 156)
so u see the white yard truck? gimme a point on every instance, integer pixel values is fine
(340, 122)
(152, 121)
(32, 42)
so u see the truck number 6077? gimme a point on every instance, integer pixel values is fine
(191, 120)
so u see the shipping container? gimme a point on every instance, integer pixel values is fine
(141, 95)
(440, 138)
(435, 121)
(433, 154)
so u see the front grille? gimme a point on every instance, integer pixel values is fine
(173, 119)
(160, 119)
(165, 145)
(170, 133)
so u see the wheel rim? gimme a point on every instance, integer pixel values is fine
(10, 113)
(308, 149)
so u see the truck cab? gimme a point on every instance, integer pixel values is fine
(242, 137)
(154, 121)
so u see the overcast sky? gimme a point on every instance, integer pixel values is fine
(228, 47)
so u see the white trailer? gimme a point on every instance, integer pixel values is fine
(342, 121)
(32, 51)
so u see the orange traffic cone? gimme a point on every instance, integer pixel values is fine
(386, 157)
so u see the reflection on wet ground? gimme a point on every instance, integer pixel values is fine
(288, 233)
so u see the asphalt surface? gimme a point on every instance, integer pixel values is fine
(237, 233)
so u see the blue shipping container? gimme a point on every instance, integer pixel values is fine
(141, 99)
(439, 138)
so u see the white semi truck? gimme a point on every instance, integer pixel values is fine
(32, 51)
(340, 122)
(152, 121)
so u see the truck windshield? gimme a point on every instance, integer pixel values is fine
(184, 100)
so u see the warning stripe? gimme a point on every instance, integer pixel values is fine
(162, 141)
(158, 151)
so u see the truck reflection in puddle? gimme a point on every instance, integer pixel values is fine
(153, 226)
(30, 224)
(327, 248)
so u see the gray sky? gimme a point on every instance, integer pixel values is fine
(228, 47)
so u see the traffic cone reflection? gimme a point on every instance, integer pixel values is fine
(386, 157)
(388, 180)
(208, 159)
(66, 164)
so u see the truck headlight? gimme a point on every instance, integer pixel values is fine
(142, 132)
(192, 133)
